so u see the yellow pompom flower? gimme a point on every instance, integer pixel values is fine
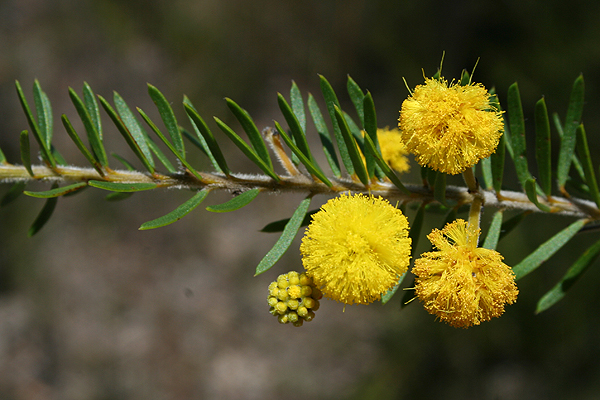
(462, 284)
(394, 152)
(449, 127)
(356, 247)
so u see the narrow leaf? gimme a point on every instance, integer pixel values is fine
(572, 121)
(312, 167)
(13, 193)
(168, 117)
(93, 135)
(236, 203)
(486, 171)
(332, 102)
(75, 138)
(160, 155)
(122, 187)
(573, 274)
(176, 214)
(510, 224)
(286, 238)
(530, 190)
(118, 196)
(44, 113)
(57, 192)
(258, 144)
(204, 133)
(352, 149)
(370, 146)
(25, 152)
(547, 249)
(560, 130)
(123, 161)
(298, 105)
(43, 216)
(542, 147)
(133, 126)
(370, 125)
(439, 188)
(324, 135)
(497, 158)
(517, 133)
(357, 97)
(243, 146)
(493, 234)
(586, 162)
(278, 226)
(295, 127)
(92, 107)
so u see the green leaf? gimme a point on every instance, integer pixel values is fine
(176, 214)
(243, 146)
(169, 145)
(497, 158)
(312, 167)
(94, 136)
(512, 223)
(530, 190)
(25, 152)
(295, 128)
(123, 161)
(298, 105)
(572, 121)
(560, 130)
(278, 226)
(543, 148)
(517, 133)
(324, 135)
(332, 102)
(13, 193)
(46, 154)
(357, 97)
(122, 187)
(547, 249)
(486, 171)
(207, 137)
(493, 234)
(128, 136)
(134, 127)
(56, 192)
(236, 203)
(586, 162)
(118, 196)
(352, 149)
(75, 138)
(43, 216)
(43, 110)
(160, 155)
(370, 125)
(439, 188)
(286, 238)
(2, 157)
(168, 117)
(370, 146)
(92, 107)
(573, 274)
(256, 140)
(465, 78)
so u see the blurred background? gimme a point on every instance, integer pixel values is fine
(92, 308)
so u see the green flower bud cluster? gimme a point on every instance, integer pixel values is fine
(294, 298)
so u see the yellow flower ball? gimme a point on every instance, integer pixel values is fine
(393, 151)
(449, 127)
(462, 284)
(356, 247)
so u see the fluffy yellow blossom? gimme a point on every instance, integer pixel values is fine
(449, 127)
(394, 152)
(461, 283)
(356, 247)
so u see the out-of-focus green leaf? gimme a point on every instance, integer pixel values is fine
(324, 135)
(512, 223)
(586, 162)
(465, 78)
(243, 146)
(547, 249)
(298, 105)
(43, 216)
(176, 214)
(312, 167)
(13, 193)
(236, 203)
(439, 188)
(205, 134)
(573, 274)
(278, 226)
(530, 190)
(352, 148)
(75, 138)
(332, 102)
(517, 133)
(122, 187)
(286, 238)
(94, 136)
(542, 148)
(258, 144)
(168, 117)
(57, 192)
(123, 161)
(25, 151)
(118, 196)
(572, 121)
(493, 234)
